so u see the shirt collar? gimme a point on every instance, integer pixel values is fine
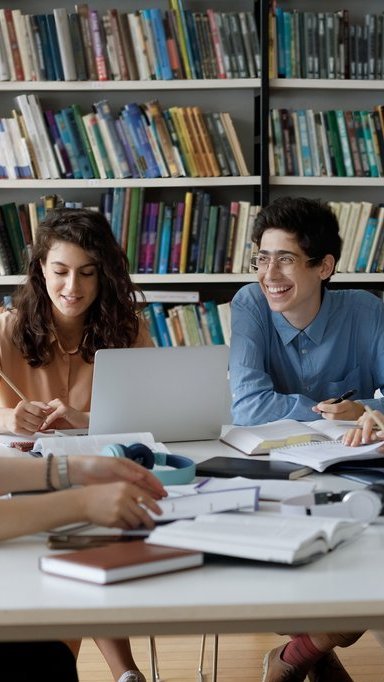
(314, 331)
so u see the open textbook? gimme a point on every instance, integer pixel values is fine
(320, 456)
(92, 445)
(260, 536)
(256, 440)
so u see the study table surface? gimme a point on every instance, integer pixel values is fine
(341, 591)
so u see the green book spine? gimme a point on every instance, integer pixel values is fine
(85, 139)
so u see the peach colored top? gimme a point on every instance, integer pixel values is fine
(68, 377)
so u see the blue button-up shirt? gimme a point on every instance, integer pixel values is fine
(280, 372)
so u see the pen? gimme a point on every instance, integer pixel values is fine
(375, 418)
(344, 396)
(12, 386)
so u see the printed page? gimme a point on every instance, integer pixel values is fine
(333, 428)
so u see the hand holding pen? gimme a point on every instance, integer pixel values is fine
(340, 407)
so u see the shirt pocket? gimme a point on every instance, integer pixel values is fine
(350, 382)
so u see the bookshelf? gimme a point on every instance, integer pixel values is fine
(319, 94)
(238, 96)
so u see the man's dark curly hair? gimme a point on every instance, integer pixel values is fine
(112, 320)
(312, 222)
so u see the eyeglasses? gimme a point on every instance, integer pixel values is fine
(285, 262)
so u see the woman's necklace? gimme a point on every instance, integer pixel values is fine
(62, 346)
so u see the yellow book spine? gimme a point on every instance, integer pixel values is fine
(186, 229)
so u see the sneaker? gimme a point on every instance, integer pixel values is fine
(277, 670)
(329, 669)
(132, 676)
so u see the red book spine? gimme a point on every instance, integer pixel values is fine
(16, 57)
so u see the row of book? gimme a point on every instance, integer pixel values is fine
(362, 231)
(189, 236)
(338, 143)
(199, 324)
(146, 44)
(325, 45)
(142, 141)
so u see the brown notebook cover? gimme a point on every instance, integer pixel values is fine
(119, 561)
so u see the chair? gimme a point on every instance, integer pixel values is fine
(154, 664)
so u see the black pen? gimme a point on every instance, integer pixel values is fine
(344, 396)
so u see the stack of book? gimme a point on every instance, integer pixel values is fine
(192, 235)
(143, 141)
(332, 143)
(326, 45)
(189, 325)
(146, 44)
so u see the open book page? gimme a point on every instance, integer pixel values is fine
(260, 536)
(332, 428)
(319, 456)
(92, 445)
(260, 439)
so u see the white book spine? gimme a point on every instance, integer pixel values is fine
(29, 121)
(241, 232)
(65, 44)
(44, 141)
(22, 41)
(7, 45)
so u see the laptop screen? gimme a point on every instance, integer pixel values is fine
(177, 393)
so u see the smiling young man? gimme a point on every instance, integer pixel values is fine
(296, 346)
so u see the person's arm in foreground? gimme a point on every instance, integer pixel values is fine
(116, 493)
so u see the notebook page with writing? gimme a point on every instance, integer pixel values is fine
(319, 455)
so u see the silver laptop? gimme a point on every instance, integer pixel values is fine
(178, 394)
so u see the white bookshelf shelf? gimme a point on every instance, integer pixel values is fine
(325, 181)
(157, 85)
(93, 183)
(325, 84)
(231, 278)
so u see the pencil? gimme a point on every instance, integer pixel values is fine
(376, 419)
(12, 385)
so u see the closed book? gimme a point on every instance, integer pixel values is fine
(119, 561)
(227, 467)
(15, 235)
(83, 12)
(64, 43)
(165, 241)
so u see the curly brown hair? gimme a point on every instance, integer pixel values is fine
(112, 319)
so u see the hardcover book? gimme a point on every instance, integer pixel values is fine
(119, 561)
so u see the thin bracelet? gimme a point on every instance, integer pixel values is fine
(63, 472)
(48, 473)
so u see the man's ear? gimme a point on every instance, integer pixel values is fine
(327, 266)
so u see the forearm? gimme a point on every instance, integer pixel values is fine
(259, 407)
(33, 513)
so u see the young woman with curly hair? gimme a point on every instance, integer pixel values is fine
(78, 298)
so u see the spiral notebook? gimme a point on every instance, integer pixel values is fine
(321, 455)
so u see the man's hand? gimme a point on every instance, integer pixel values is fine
(366, 433)
(347, 409)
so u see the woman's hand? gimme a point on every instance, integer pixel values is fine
(60, 411)
(87, 470)
(348, 410)
(27, 417)
(120, 505)
(366, 433)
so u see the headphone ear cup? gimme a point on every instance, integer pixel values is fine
(137, 452)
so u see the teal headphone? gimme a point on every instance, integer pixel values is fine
(184, 467)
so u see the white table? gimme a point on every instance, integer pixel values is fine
(342, 591)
